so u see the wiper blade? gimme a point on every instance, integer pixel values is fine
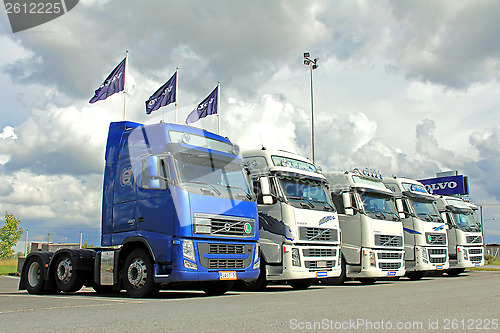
(203, 183)
(426, 216)
(307, 204)
(378, 213)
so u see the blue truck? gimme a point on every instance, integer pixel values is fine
(177, 209)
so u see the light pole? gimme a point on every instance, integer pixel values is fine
(313, 64)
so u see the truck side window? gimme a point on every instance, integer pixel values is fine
(406, 208)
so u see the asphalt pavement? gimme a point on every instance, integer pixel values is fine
(468, 302)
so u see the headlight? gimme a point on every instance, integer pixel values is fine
(466, 254)
(372, 259)
(295, 257)
(256, 258)
(190, 265)
(202, 225)
(188, 250)
(425, 256)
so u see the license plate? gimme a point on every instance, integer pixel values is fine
(321, 274)
(227, 275)
(389, 274)
(439, 268)
(478, 264)
(321, 264)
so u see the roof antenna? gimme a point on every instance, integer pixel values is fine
(262, 142)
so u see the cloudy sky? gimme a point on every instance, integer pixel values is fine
(410, 88)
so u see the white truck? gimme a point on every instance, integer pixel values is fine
(372, 232)
(426, 248)
(299, 232)
(465, 240)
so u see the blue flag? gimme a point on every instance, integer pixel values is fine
(163, 96)
(205, 108)
(115, 82)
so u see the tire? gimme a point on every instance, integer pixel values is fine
(455, 271)
(259, 284)
(337, 280)
(368, 281)
(138, 275)
(217, 288)
(415, 275)
(104, 289)
(302, 284)
(33, 275)
(67, 278)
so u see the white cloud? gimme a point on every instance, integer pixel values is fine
(391, 93)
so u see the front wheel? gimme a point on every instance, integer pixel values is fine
(66, 276)
(138, 274)
(301, 284)
(33, 275)
(216, 288)
(340, 279)
(416, 275)
(256, 285)
(367, 281)
(455, 271)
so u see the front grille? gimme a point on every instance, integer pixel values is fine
(388, 240)
(318, 234)
(225, 226)
(328, 264)
(474, 239)
(225, 263)
(226, 249)
(475, 251)
(475, 258)
(437, 256)
(435, 239)
(389, 255)
(319, 252)
(437, 260)
(221, 256)
(389, 266)
(437, 252)
(229, 227)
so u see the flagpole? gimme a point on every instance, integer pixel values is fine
(218, 107)
(176, 91)
(125, 85)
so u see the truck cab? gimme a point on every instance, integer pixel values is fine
(465, 240)
(372, 232)
(299, 229)
(426, 247)
(177, 208)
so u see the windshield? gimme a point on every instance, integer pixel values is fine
(306, 193)
(466, 221)
(209, 175)
(425, 210)
(379, 206)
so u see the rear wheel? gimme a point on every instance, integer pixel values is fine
(138, 274)
(455, 271)
(33, 275)
(66, 276)
(301, 284)
(216, 288)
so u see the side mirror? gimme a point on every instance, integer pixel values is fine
(399, 206)
(265, 187)
(153, 172)
(346, 198)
